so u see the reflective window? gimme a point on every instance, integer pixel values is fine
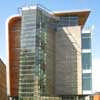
(86, 60)
(68, 21)
(87, 81)
(86, 41)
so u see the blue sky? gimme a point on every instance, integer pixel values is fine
(10, 7)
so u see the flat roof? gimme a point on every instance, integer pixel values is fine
(82, 14)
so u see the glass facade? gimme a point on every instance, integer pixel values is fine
(87, 81)
(86, 41)
(68, 21)
(27, 55)
(33, 53)
(41, 51)
(86, 63)
(86, 60)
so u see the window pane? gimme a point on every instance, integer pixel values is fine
(87, 75)
(87, 81)
(68, 21)
(86, 35)
(86, 60)
(86, 43)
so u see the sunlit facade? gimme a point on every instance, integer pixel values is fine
(13, 40)
(45, 53)
(86, 62)
(3, 82)
(36, 53)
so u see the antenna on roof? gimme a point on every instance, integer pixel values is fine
(31, 2)
(28, 3)
(25, 2)
(35, 2)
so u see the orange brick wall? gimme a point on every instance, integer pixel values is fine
(96, 97)
(14, 26)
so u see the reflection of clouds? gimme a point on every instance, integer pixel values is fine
(96, 75)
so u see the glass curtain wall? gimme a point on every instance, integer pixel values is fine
(41, 51)
(86, 63)
(68, 21)
(87, 81)
(27, 74)
(33, 54)
(86, 41)
(44, 23)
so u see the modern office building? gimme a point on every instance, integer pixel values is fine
(3, 85)
(86, 62)
(44, 53)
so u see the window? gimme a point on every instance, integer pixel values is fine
(87, 81)
(86, 41)
(68, 21)
(86, 60)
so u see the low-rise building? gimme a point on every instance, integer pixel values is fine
(3, 88)
(96, 96)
